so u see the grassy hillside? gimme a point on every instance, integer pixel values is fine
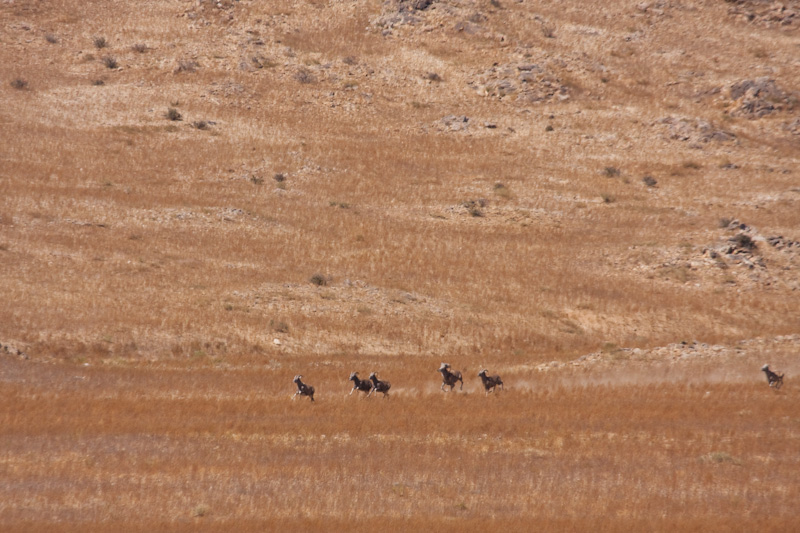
(200, 200)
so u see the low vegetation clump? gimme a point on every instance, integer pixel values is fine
(318, 280)
(173, 114)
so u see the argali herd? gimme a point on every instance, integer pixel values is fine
(451, 377)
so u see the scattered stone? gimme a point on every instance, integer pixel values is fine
(527, 82)
(12, 350)
(757, 98)
(455, 122)
(783, 15)
(694, 130)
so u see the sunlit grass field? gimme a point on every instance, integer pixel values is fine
(199, 201)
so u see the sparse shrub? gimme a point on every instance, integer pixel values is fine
(187, 65)
(100, 43)
(19, 84)
(608, 198)
(50, 38)
(549, 32)
(173, 114)
(692, 165)
(744, 242)
(548, 128)
(279, 327)
(350, 60)
(318, 280)
(200, 124)
(258, 180)
(474, 206)
(305, 76)
(97, 83)
(279, 177)
(140, 48)
(649, 181)
(110, 62)
(611, 172)
(502, 191)
(724, 222)
(432, 76)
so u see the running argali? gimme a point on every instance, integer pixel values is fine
(362, 385)
(302, 388)
(490, 383)
(773, 378)
(450, 378)
(379, 386)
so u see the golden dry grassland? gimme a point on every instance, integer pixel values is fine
(200, 200)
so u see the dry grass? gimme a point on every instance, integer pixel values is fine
(229, 449)
(161, 253)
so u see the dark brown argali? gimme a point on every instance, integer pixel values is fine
(302, 388)
(450, 378)
(490, 382)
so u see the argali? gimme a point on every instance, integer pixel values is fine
(362, 385)
(450, 378)
(773, 378)
(490, 383)
(302, 388)
(379, 386)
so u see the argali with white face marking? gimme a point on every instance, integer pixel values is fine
(362, 385)
(450, 378)
(490, 383)
(379, 386)
(773, 378)
(302, 388)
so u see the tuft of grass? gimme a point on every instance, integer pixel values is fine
(100, 42)
(110, 62)
(502, 191)
(305, 76)
(611, 172)
(173, 114)
(432, 76)
(50, 38)
(140, 48)
(319, 280)
(608, 198)
(19, 83)
(649, 181)
(187, 65)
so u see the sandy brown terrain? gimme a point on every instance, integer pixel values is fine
(200, 200)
